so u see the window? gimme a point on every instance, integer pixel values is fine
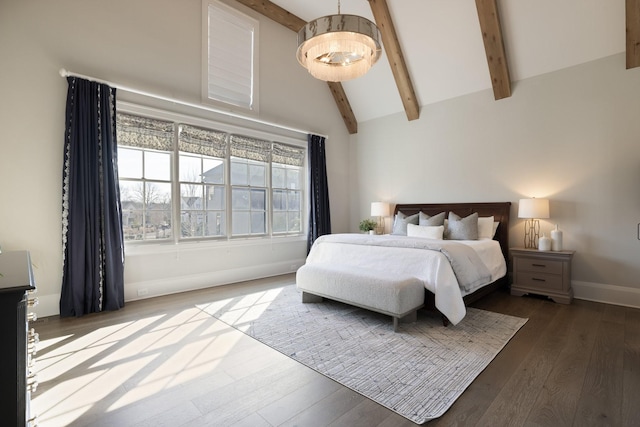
(286, 186)
(202, 154)
(249, 164)
(144, 167)
(225, 185)
(230, 41)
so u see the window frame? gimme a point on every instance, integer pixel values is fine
(229, 128)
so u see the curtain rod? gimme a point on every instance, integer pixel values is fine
(66, 73)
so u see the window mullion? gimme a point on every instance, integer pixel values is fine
(269, 195)
(228, 191)
(175, 188)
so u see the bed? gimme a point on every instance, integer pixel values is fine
(353, 261)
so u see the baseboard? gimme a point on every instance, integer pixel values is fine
(608, 294)
(172, 285)
(49, 305)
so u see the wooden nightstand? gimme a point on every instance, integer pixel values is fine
(542, 273)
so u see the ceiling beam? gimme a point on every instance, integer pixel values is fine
(275, 13)
(632, 12)
(494, 48)
(392, 48)
(292, 22)
(343, 105)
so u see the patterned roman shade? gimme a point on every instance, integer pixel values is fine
(287, 155)
(207, 142)
(250, 148)
(143, 132)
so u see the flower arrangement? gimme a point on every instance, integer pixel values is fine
(367, 225)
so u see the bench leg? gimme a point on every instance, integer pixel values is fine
(308, 298)
(408, 318)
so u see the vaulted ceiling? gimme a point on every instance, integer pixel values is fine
(439, 49)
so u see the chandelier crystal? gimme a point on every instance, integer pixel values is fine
(339, 47)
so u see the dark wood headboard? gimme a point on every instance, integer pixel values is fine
(499, 210)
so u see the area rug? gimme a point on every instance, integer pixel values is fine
(417, 372)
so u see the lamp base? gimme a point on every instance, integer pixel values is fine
(531, 233)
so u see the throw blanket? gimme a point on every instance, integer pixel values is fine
(467, 266)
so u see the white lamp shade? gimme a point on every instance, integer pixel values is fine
(379, 209)
(533, 208)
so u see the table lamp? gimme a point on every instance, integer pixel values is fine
(380, 210)
(532, 210)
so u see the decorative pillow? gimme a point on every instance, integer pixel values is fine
(425, 231)
(462, 228)
(431, 220)
(485, 227)
(400, 223)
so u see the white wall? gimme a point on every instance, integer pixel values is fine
(572, 136)
(154, 46)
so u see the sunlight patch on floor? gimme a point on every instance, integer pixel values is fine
(116, 367)
(242, 311)
(72, 398)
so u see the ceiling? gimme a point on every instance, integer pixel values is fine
(444, 52)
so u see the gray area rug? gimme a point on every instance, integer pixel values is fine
(417, 372)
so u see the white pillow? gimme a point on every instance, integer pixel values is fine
(425, 231)
(485, 227)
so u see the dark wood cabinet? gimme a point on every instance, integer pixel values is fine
(16, 280)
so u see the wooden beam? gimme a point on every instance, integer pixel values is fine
(292, 22)
(275, 13)
(343, 105)
(494, 48)
(632, 12)
(396, 59)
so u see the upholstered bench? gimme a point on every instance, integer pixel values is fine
(379, 291)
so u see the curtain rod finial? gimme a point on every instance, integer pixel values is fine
(63, 72)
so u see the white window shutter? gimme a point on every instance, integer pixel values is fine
(231, 56)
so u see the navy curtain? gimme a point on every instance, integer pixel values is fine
(319, 215)
(93, 250)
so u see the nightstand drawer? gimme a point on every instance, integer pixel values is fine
(539, 280)
(539, 265)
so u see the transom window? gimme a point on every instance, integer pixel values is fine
(184, 182)
(230, 56)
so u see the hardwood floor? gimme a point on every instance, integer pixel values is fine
(163, 362)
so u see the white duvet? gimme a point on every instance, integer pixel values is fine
(431, 267)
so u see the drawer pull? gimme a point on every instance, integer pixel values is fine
(538, 265)
(538, 280)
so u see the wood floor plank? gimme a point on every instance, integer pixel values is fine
(287, 407)
(230, 405)
(600, 401)
(631, 369)
(327, 411)
(539, 354)
(172, 417)
(558, 398)
(365, 414)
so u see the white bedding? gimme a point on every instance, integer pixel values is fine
(431, 267)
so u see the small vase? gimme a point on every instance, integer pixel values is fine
(544, 243)
(372, 232)
(556, 239)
